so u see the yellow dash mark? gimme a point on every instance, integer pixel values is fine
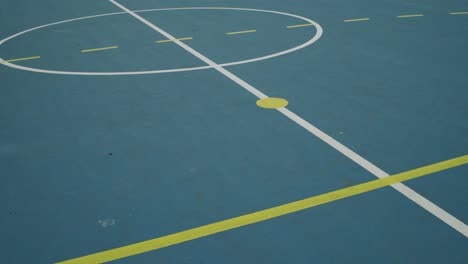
(248, 219)
(170, 40)
(301, 25)
(99, 49)
(409, 16)
(459, 13)
(241, 32)
(357, 19)
(23, 59)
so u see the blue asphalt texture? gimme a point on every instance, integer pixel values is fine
(90, 163)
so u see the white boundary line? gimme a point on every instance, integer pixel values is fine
(408, 192)
(266, 57)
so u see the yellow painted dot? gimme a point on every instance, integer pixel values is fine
(272, 103)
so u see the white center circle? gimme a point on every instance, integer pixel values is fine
(318, 34)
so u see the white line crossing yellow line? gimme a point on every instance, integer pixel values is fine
(172, 40)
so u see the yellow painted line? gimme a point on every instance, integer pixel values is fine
(301, 25)
(459, 13)
(241, 32)
(99, 49)
(409, 16)
(357, 19)
(259, 216)
(23, 59)
(169, 40)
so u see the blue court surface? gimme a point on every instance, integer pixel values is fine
(247, 131)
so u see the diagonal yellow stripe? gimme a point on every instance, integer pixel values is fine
(241, 32)
(99, 49)
(263, 215)
(301, 25)
(357, 19)
(408, 16)
(23, 59)
(459, 13)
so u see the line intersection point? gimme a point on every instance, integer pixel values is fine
(403, 189)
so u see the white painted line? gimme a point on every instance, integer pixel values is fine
(414, 196)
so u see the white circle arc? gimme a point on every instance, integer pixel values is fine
(318, 34)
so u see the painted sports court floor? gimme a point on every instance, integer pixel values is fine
(248, 131)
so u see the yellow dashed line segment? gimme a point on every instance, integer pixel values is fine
(169, 40)
(263, 215)
(241, 32)
(356, 19)
(459, 13)
(409, 16)
(99, 49)
(301, 25)
(228, 33)
(22, 59)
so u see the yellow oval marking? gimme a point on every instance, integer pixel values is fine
(272, 103)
